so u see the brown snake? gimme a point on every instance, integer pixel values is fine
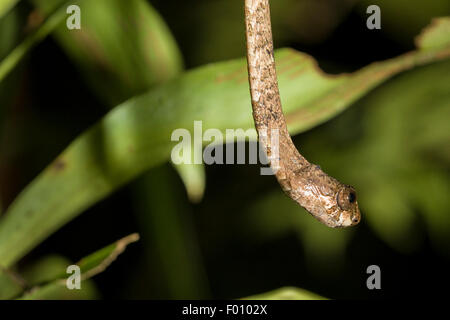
(328, 200)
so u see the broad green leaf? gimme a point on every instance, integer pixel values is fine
(136, 135)
(286, 293)
(133, 51)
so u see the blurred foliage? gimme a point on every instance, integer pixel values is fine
(46, 278)
(37, 281)
(402, 19)
(274, 215)
(9, 26)
(58, 291)
(391, 145)
(214, 29)
(286, 294)
(41, 279)
(117, 72)
(46, 27)
(124, 48)
(397, 158)
(166, 226)
(9, 33)
(6, 5)
(401, 156)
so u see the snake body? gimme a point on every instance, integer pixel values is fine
(327, 199)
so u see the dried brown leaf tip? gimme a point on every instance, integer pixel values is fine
(327, 199)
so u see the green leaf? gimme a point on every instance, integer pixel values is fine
(123, 47)
(194, 180)
(149, 56)
(286, 293)
(6, 5)
(39, 279)
(192, 175)
(130, 56)
(58, 291)
(48, 276)
(46, 279)
(133, 51)
(435, 35)
(53, 20)
(9, 32)
(10, 285)
(98, 261)
(46, 269)
(136, 135)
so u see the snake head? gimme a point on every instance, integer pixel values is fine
(328, 200)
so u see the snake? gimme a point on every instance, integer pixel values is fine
(325, 198)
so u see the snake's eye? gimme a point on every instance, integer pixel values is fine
(351, 196)
(346, 197)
